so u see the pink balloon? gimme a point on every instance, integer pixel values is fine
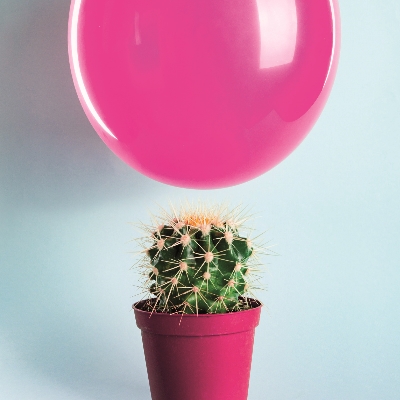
(203, 93)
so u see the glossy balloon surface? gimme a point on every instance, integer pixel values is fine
(200, 93)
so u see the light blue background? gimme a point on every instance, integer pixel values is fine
(332, 328)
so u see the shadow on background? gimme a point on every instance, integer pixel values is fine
(52, 163)
(49, 153)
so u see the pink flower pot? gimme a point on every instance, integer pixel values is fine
(204, 357)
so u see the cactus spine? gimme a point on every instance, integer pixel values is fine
(196, 262)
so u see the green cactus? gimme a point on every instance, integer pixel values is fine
(196, 262)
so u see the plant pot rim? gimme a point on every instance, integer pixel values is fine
(255, 304)
(197, 324)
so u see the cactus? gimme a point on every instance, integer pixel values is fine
(196, 262)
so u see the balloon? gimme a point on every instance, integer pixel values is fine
(203, 93)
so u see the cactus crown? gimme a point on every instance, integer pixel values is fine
(196, 262)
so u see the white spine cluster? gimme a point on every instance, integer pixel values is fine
(198, 281)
